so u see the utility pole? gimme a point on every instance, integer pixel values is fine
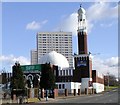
(108, 79)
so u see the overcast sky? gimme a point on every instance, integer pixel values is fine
(22, 20)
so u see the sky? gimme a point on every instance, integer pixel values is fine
(22, 20)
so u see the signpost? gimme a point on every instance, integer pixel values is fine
(81, 63)
(31, 68)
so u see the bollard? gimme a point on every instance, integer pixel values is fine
(55, 93)
(92, 91)
(20, 100)
(74, 92)
(14, 97)
(42, 93)
(46, 95)
(79, 92)
(29, 93)
(86, 91)
(66, 92)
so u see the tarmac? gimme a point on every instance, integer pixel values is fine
(44, 100)
(36, 100)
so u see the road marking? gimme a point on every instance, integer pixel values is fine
(95, 95)
(114, 90)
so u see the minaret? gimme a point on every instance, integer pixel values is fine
(82, 32)
(83, 61)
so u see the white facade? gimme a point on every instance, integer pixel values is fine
(68, 85)
(98, 87)
(82, 24)
(65, 72)
(85, 84)
(34, 57)
(60, 42)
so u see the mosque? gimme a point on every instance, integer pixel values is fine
(80, 76)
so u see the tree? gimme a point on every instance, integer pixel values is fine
(28, 83)
(112, 80)
(47, 80)
(35, 82)
(17, 81)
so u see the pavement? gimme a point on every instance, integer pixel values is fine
(50, 100)
(42, 100)
(104, 97)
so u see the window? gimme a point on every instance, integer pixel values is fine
(69, 71)
(44, 39)
(59, 86)
(66, 72)
(44, 49)
(63, 86)
(44, 34)
(63, 72)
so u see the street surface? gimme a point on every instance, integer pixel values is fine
(110, 97)
(106, 97)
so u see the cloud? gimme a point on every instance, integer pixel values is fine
(101, 11)
(95, 13)
(70, 24)
(106, 25)
(8, 61)
(44, 22)
(35, 25)
(113, 61)
(107, 65)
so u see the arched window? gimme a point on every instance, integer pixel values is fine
(82, 58)
(30, 76)
(24, 76)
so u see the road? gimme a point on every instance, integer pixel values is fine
(106, 97)
(110, 97)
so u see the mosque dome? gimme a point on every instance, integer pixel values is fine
(55, 59)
